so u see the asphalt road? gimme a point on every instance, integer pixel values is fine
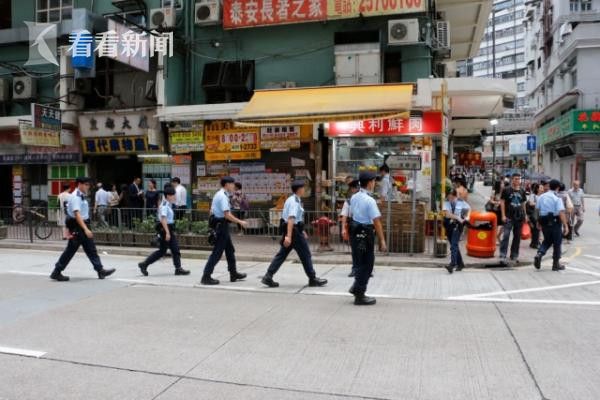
(480, 334)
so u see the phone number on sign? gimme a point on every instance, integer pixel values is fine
(369, 6)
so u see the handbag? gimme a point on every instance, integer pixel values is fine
(525, 232)
(490, 207)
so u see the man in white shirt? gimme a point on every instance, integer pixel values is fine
(180, 197)
(576, 194)
(386, 189)
(101, 202)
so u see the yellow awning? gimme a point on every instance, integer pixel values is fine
(326, 104)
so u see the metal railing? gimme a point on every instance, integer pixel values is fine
(136, 227)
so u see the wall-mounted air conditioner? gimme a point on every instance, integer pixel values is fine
(161, 18)
(403, 32)
(207, 12)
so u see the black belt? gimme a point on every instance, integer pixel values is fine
(359, 225)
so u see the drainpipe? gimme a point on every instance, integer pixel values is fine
(187, 53)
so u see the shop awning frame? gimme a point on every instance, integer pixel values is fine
(325, 104)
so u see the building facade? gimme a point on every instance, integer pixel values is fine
(562, 52)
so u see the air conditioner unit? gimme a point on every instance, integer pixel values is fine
(403, 31)
(161, 18)
(4, 90)
(442, 34)
(24, 87)
(207, 12)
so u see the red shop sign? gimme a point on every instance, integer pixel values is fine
(248, 13)
(430, 123)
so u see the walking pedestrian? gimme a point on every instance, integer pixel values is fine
(577, 197)
(291, 228)
(536, 191)
(152, 198)
(456, 215)
(168, 237)
(386, 187)
(366, 221)
(493, 205)
(63, 197)
(513, 217)
(353, 188)
(180, 198)
(551, 214)
(219, 220)
(102, 199)
(239, 204)
(78, 219)
(564, 196)
(136, 200)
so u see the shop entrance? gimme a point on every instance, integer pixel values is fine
(116, 170)
(6, 185)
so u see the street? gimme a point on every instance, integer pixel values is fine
(480, 334)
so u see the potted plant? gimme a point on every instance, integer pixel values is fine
(182, 227)
(144, 231)
(3, 230)
(199, 234)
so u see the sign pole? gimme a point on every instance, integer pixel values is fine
(414, 209)
(388, 221)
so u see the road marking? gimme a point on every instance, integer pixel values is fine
(532, 301)
(529, 290)
(28, 273)
(584, 271)
(21, 352)
(594, 257)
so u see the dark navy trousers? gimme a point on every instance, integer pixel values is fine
(79, 239)
(299, 244)
(223, 245)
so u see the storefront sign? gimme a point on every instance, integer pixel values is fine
(368, 8)
(587, 121)
(224, 142)
(280, 138)
(407, 162)
(39, 158)
(31, 136)
(430, 123)
(186, 139)
(46, 117)
(116, 124)
(573, 122)
(469, 159)
(118, 145)
(249, 13)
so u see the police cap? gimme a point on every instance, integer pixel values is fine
(227, 179)
(297, 184)
(169, 191)
(366, 176)
(83, 179)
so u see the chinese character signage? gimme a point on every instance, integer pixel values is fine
(368, 8)
(248, 13)
(469, 159)
(118, 145)
(46, 117)
(224, 141)
(31, 136)
(429, 123)
(185, 139)
(573, 122)
(116, 124)
(280, 138)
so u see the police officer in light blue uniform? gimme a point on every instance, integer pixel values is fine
(456, 214)
(366, 221)
(551, 215)
(77, 222)
(168, 238)
(219, 220)
(294, 237)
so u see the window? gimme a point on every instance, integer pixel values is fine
(53, 10)
(520, 86)
(580, 5)
(5, 16)
(586, 5)
(573, 78)
(574, 5)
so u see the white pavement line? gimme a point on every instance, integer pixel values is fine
(21, 352)
(532, 301)
(583, 271)
(594, 257)
(529, 290)
(28, 273)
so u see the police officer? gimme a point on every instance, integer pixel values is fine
(219, 220)
(166, 232)
(294, 237)
(551, 211)
(366, 221)
(456, 214)
(77, 222)
(353, 188)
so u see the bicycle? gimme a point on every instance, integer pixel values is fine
(42, 230)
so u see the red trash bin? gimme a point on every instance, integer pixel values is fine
(481, 239)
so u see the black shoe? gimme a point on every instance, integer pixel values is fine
(556, 266)
(460, 267)
(58, 276)
(351, 274)
(181, 271)
(450, 268)
(236, 276)
(352, 290)
(534, 246)
(103, 273)
(207, 280)
(364, 300)
(537, 261)
(576, 233)
(267, 280)
(314, 282)
(143, 268)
